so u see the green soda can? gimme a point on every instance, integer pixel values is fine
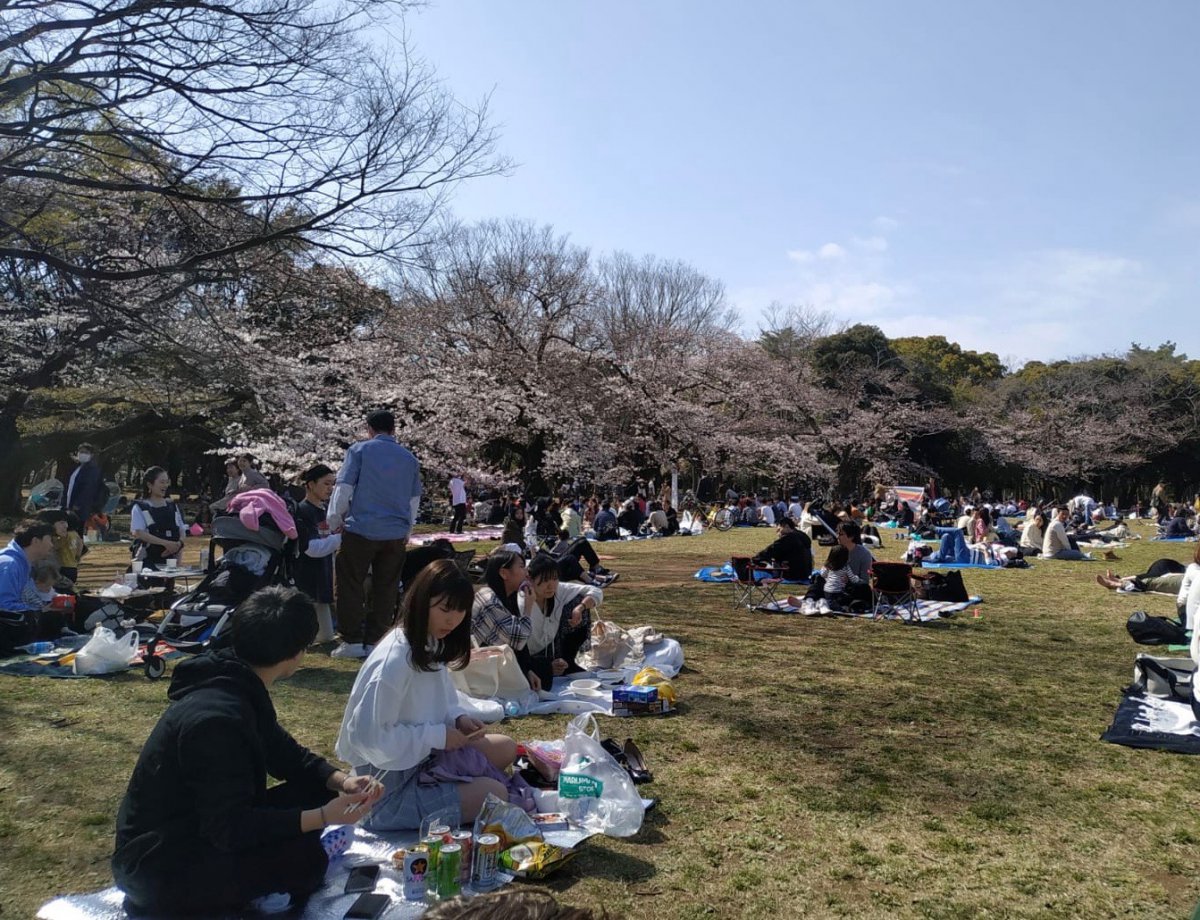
(432, 843)
(448, 868)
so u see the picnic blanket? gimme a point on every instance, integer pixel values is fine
(723, 574)
(929, 611)
(59, 663)
(330, 903)
(470, 536)
(1153, 722)
(1173, 539)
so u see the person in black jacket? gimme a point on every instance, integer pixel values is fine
(792, 551)
(198, 832)
(85, 492)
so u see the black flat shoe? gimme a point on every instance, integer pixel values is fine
(635, 763)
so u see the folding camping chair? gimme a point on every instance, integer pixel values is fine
(892, 591)
(747, 586)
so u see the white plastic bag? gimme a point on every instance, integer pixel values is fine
(666, 655)
(594, 790)
(105, 653)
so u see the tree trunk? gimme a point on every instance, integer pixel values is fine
(12, 454)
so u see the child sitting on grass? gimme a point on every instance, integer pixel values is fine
(829, 589)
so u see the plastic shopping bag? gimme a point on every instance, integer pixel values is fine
(594, 791)
(105, 653)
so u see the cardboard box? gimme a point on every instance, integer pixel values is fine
(628, 694)
(627, 708)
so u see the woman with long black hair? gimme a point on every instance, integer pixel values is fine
(496, 617)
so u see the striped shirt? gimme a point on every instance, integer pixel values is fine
(837, 581)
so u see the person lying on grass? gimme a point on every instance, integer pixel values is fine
(403, 709)
(1163, 576)
(198, 832)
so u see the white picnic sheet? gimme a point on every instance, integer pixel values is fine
(929, 611)
(330, 903)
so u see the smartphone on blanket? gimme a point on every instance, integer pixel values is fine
(368, 907)
(362, 878)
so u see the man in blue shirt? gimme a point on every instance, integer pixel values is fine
(31, 543)
(374, 504)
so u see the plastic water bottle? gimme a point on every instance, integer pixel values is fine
(512, 708)
(38, 648)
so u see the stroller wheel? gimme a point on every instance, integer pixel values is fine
(155, 667)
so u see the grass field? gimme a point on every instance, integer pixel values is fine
(817, 767)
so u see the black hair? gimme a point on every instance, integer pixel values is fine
(501, 559)
(382, 421)
(564, 534)
(852, 530)
(440, 580)
(52, 516)
(272, 625)
(28, 531)
(838, 558)
(148, 478)
(542, 566)
(787, 522)
(312, 474)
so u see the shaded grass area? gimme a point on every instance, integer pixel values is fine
(817, 767)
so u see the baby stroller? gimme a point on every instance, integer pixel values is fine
(249, 560)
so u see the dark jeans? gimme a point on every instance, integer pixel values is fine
(213, 882)
(460, 515)
(859, 592)
(566, 647)
(383, 560)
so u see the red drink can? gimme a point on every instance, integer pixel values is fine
(464, 839)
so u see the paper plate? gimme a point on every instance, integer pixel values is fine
(584, 686)
(610, 677)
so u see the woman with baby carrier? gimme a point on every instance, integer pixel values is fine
(155, 522)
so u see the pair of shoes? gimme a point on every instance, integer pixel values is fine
(823, 607)
(629, 757)
(350, 650)
(600, 570)
(809, 607)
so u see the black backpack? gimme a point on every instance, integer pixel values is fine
(1147, 630)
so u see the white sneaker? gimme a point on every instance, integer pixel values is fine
(823, 607)
(809, 607)
(275, 903)
(349, 650)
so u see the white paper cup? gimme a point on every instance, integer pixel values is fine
(136, 565)
(172, 562)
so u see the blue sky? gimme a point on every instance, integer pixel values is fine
(1020, 177)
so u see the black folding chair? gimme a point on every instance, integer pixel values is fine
(892, 592)
(749, 591)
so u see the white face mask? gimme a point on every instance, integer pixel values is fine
(83, 457)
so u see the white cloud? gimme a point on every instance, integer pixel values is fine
(1044, 304)
(831, 251)
(885, 224)
(801, 256)
(871, 243)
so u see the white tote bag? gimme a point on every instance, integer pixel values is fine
(493, 673)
